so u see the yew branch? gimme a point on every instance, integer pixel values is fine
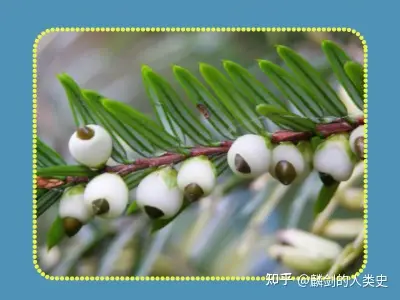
(169, 158)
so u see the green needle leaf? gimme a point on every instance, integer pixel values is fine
(241, 108)
(65, 170)
(297, 94)
(48, 199)
(315, 141)
(285, 119)
(250, 86)
(132, 208)
(355, 72)
(164, 117)
(81, 113)
(133, 179)
(132, 139)
(87, 109)
(111, 124)
(172, 112)
(325, 195)
(221, 163)
(47, 156)
(216, 115)
(144, 128)
(56, 233)
(306, 73)
(338, 58)
(41, 192)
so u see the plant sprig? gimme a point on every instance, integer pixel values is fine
(227, 106)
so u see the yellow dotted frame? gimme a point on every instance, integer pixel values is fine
(188, 29)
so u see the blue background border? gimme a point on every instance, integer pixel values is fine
(21, 22)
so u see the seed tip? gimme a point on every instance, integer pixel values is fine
(285, 172)
(241, 165)
(100, 206)
(153, 212)
(71, 226)
(326, 179)
(85, 133)
(193, 192)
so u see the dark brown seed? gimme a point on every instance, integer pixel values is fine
(153, 212)
(285, 172)
(285, 243)
(359, 147)
(100, 206)
(193, 192)
(241, 165)
(327, 179)
(85, 133)
(71, 226)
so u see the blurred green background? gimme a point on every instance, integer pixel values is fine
(225, 234)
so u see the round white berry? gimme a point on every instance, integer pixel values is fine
(311, 243)
(354, 136)
(72, 204)
(107, 195)
(73, 211)
(91, 146)
(287, 163)
(334, 157)
(250, 156)
(304, 252)
(299, 260)
(197, 177)
(158, 194)
(49, 258)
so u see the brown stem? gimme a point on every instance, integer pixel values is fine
(139, 164)
(174, 158)
(167, 159)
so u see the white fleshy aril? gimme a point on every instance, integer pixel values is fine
(300, 260)
(335, 158)
(311, 243)
(197, 174)
(304, 252)
(352, 198)
(352, 109)
(92, 150)
(355, 134)
(288, 153)
(72, 205)
(107, 195)
(343, 228)
(158, 194)
(49, 258)
(250, 156)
